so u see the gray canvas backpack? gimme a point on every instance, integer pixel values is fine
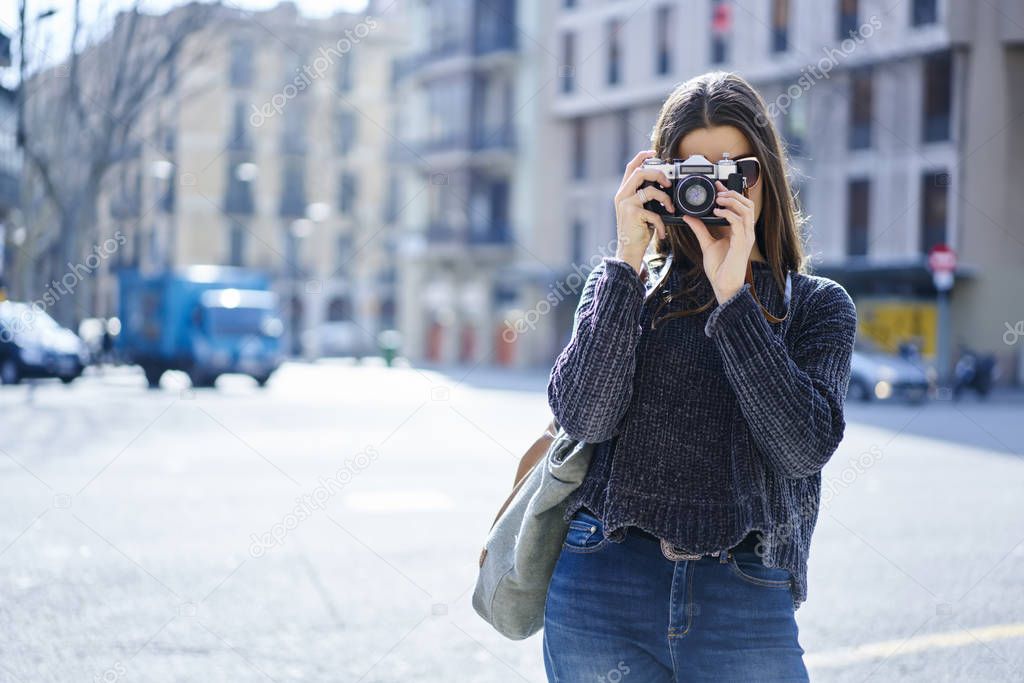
(526, 539)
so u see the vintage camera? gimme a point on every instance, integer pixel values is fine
(693, 190)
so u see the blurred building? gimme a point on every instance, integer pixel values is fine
(264, 150)
(902, 119)
(473, 152)
(10, 157)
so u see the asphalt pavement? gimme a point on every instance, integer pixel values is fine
(326, 528)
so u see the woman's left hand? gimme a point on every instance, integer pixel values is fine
(725, 259)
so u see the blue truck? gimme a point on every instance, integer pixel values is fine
(204, 320)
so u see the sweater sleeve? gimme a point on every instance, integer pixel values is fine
(792, 402)
(591, 381)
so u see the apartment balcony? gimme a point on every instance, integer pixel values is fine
(497, 138)
(483, 50)
(486, 145)
(491, 234)
(446, 237)
(441, 239)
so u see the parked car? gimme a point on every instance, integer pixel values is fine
(34, 345)
(883, 376)
(340, 339)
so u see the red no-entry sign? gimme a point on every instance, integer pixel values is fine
(942, 263)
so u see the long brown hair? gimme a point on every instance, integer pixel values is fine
(726, 99)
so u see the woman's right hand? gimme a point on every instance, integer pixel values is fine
(635, 225)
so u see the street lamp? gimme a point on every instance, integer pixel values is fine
(246, 171)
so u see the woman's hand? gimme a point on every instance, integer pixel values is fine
(725, 259)
(634, 223)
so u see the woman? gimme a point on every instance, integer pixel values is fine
(716, 399)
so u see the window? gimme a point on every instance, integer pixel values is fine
(938, 96)
(293, 127)
(347, 186)
(663, 30)
(924, 12)
(340, 307)
(614, 52)
(494, 28)
(861, 92)
(239, 139)
(577, 241)
(449, 101)
(625, 142)
(293, 188)
(238, 197)
(721, 30)
(848, 12)
(345, 73)
(934, 209)
(780, 25)
(344, 131)
(858, 197)
(241, 63)
(568, 73)
(346, 256)
(499, 230)
(794, 127)
(579, 149)
(236, 244)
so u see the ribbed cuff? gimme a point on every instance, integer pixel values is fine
(739, 326)
(619, 294)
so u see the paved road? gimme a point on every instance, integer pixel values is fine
(326, 529)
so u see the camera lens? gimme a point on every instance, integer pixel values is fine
(695, 195)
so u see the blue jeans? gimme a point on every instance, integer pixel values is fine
(623, 612)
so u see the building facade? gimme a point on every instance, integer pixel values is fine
(263, 150)
(897, 120)
(472, 153)
(10, 176)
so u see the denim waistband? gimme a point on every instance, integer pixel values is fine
(748, 544)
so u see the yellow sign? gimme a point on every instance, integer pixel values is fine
(891, 322)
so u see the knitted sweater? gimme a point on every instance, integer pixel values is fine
(712, 425)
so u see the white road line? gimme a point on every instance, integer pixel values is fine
(832, 659)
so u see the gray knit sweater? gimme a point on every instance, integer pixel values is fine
(711, 425)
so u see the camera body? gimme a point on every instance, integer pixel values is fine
(693, 190)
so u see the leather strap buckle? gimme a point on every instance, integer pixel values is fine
(676, 554)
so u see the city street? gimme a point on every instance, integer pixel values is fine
(327, 528)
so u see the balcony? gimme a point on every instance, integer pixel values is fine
(411, 64)
(497, 234)
(483, 45)
(458, 144)
(439, 234)
(500, 137)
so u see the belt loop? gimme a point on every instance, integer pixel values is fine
(723, 556)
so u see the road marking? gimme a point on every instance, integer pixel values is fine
(931, 641)
(413, 500)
